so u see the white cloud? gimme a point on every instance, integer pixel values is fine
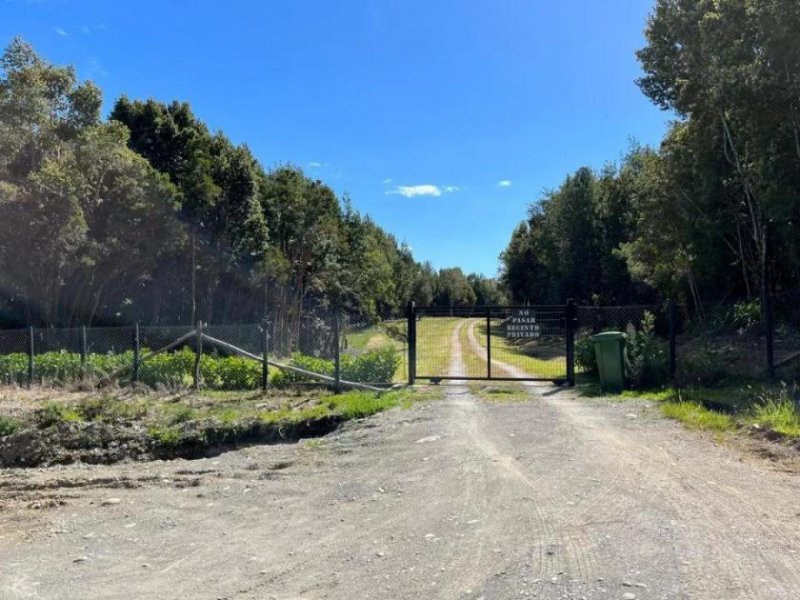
(504, 183)
(61, 32)
(425, 189)
(315, 164)
(387, 181)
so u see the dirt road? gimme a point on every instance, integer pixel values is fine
(556, 498)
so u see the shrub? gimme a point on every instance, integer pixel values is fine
(375, 366)
(647, 359)
(237, 373)
(54, 413)
(8, 426)
(585, 357)
(746, 314)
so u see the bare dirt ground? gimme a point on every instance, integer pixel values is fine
(556, 497)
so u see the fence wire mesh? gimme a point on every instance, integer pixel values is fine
(490, 343)
(226, 357)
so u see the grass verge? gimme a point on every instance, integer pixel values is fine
(500, 393)
(697, 416)
(107, 428)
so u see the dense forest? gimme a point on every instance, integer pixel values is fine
(150, 216)
(712, 214)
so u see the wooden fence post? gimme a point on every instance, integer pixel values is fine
(264, 355)
(136, 351)
(198, 353)
(31, 351)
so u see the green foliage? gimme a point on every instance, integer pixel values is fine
(396, 331)
(373, 366)
(647, 360)
(585, 356)
(696, 416)
(165, 435)
(747, 314)
(8, 426)
(54, 413)
(780, 414)
(111, 215)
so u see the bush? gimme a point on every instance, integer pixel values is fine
(585, 357)
(647, 358)
(374, 366)
(175, 369)
(8, 426)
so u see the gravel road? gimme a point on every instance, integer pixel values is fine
(554, 497)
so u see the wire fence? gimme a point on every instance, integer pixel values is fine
(337, 346)
(685, 344)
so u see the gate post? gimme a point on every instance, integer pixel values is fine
(488, 343)
(411, 314)
(337, 357)
(570, 312)
(136, 350)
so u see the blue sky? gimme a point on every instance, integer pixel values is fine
(443, 120)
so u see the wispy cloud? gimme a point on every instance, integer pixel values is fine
(87, 29)
(425, 189)
(94, 68)
(387, 181)
(61, 32)
(314, 164)
(504, 183)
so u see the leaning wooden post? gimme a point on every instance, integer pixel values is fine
(198, 337)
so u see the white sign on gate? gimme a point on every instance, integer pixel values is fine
(521, 324)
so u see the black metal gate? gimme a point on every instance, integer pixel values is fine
(504, 343)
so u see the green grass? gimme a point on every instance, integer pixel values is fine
(474, 363)
(377, 337)
(779, 415)
(433, 345)
(537, 359)
(697, 416)
(501, 393)
(8, 426)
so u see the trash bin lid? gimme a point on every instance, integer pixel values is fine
(607, 336)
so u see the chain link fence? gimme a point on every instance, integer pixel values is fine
(338, 347)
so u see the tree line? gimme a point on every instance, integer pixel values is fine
(150, 216)
(712, 214)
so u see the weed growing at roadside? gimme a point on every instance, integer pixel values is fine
(697, 416)
(53, 413)
(780, 415)
(8, 426)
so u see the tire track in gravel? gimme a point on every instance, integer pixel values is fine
(474, 425)
(581, 553)
(703, 506)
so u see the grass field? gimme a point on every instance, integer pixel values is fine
(434, 352)
(376, 337)
(537, 359)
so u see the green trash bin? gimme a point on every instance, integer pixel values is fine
(609, 348)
